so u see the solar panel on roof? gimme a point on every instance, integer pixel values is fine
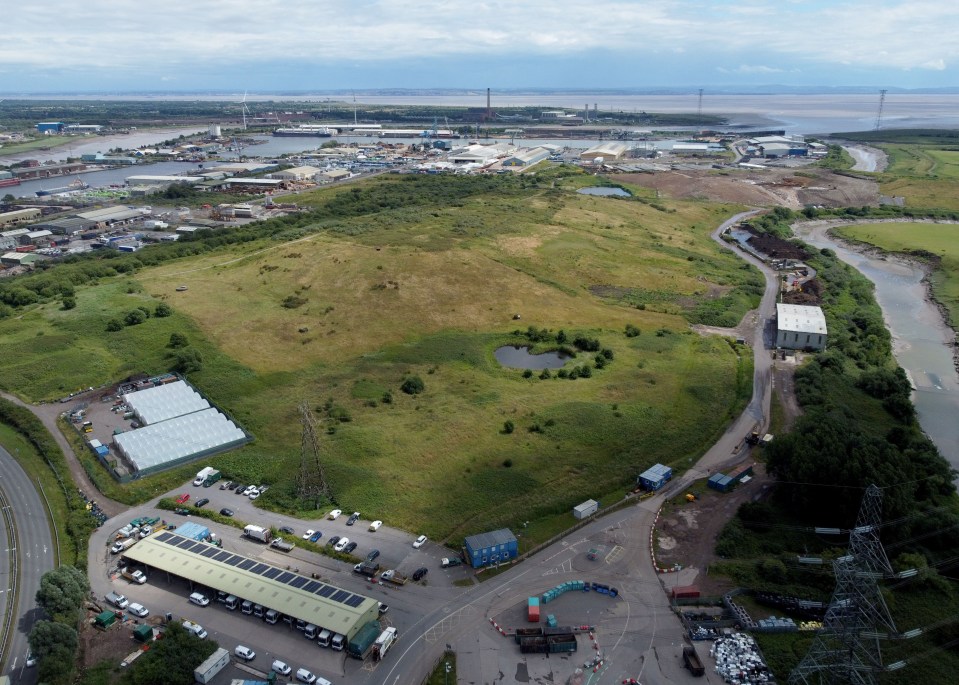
(298, 582)
(272, 573)
(222, 556)
(286, 577)
(163, 537)
(312, 586)
(210, 552)
(259, 569)
(233, 560)
(246, 564)
(185, 544)
(340, 596)
(354, 601)
(326, 591)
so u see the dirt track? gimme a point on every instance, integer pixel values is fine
(792, 188)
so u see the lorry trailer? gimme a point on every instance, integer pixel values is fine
(258, 533)
(215, 663)
(692, 661)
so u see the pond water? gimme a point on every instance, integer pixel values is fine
(521, 358)
(922, 343)
(608, 192)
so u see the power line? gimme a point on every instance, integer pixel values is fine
(882, 101)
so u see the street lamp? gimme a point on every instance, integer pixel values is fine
(446, 675)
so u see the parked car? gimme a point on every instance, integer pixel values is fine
(333, 515)
(374, 553)
(384, 608)
(286, 529)
(375, 525)
(450, 561)
(308, 534)
(226, 512)
(420, 573)
(196, 629)
(241, 490)
(419, 542)
(199, 599)
(304, 676)
(138, 610)
(224, 486)
(349, 548)
(249, 489)
(232, 486)
(244, 653)
(341, 544)
(354, 517)
(183, 498)
(281, 668)
(316, 536)
(333, 540)
(253, 495)
(201, 502)
(31, 659)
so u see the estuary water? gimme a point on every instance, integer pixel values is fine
(922, 343)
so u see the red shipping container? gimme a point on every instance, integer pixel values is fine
(685, 592)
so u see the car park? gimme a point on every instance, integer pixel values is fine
(281, 668)
(244, 653)
(375, 525)
(199, 599)
(138, 610)
(372, 556)
(335, 514)
(316, 536)
(354, 517)
(226, 512)
(201, 502)
(341, 544)
(349, 548)
(286, 529)
(420, 573)
(419, 542)
(308, 534)
(183, 498)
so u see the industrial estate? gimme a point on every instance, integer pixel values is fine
(546, 394)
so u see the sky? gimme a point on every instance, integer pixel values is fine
(118, 46)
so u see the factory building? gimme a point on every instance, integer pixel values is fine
(526, 157)
(19, 216)
(494, 547)
(162, 181)
(610, 151)
(479, 154)
(50, 127)
(298, 173)
(800, 327)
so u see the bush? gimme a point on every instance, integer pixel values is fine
(114, 325)
(631, 331)
(528, 373)
(162, 310)
(134, 317)
(187, 360)
(413, 385)
(69, 302)
(177, 340)
(545, 375)
(508, 427)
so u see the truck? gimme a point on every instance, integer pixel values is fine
(121, 545)
(215, 663)
(212, 477)
(447, 562)
(384, 642)
(258, 533)
(201, 476)
(367, 568)
(135, 575)
(282, 545)
(117, 600)
(393, 576)
(692, 661)
(362, 643)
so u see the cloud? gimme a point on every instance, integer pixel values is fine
(179, 38)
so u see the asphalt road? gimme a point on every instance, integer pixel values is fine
(35, 553)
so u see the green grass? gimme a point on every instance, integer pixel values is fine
(439, 676)
(43, 143)
(940, 241)
(429, 288)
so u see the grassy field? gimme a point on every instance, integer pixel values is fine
(927, 176)
(941, 240)
(339, 313)
(44, 143)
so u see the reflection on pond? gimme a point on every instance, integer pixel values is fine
(521, 358)
(596, 190)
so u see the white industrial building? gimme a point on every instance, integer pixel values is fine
(526, 157)
(482, 154)
(800, 327)
(298, 173)
(610, 151)
(179, 425)
(149, 180)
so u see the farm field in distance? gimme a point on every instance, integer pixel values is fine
(339, 312)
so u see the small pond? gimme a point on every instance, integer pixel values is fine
(520, 358)
(599, 190)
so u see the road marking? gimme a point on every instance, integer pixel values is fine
(449, 623)
(565, 567)
(615, 554)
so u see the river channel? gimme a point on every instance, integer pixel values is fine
(922, 342)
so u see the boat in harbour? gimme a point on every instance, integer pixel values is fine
(314, 130)
(75, 185)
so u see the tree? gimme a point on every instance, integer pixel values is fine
(178, 340)
(187, 360)
(162, 310)
(170, 661)
(55, 646)
(114, 325)
(508, 427)
(62, 591)
(69, 302)
(9, 199)
(413, 385)
(134, 317)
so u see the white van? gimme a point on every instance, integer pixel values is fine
(338, 642)
(195, 628)
(309, 631)
(324, 638)
(246, 607)
(271, 616)
(199, 599)
(231, 602)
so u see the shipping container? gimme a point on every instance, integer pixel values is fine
(684, 592)
(655, 477)
(533, 610)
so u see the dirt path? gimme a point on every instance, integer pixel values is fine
(48, 415)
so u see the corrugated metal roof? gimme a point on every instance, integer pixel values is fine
(120, 213)
(800, 318)
(275, 588)
(496, 537)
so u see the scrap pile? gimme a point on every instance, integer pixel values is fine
(738, 660)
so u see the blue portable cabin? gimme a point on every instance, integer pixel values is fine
(714, 479)
(494, 547)
(655, 477)
(721, 482)
(194, 531)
